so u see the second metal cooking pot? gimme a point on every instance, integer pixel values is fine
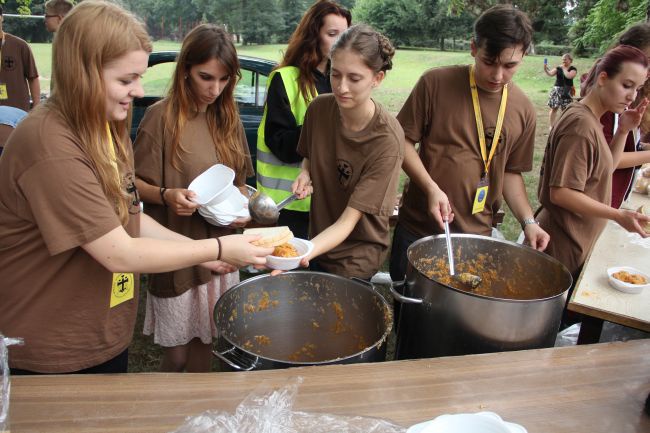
(439, 320)
(301, 318)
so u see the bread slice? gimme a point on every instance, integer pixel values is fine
(645, 210)
(271, 236)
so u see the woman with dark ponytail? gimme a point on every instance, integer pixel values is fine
(353, 150)
(576, 176)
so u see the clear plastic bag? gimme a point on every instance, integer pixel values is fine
(266, 410)
(6, 384)
(568, 336)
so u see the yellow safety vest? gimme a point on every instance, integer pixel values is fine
(275, 177)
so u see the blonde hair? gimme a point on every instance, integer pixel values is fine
(202, 44)
(92, 35)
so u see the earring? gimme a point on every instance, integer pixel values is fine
(185, 76)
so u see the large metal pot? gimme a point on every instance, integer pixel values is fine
(301, 318)
(439, 320)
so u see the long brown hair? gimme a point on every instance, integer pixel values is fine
(94, 34)
(303, 50)
(204, 43)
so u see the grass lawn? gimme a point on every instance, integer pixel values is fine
(408, 66)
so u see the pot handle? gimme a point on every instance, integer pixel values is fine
(224, 356)
(401, 298)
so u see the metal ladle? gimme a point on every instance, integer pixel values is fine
(263, 209)
(464, 277)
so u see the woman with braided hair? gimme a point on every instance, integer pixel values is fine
(353, 150)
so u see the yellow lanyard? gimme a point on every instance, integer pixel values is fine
(479, 120)
(2, 45)
(111, 151)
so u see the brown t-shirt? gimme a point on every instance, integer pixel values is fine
(357, 169)
(18, 65)
(152, 145)
(52, 293)
(439, 115)
(577, 156)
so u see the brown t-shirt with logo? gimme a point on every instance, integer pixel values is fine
(151, 146)
(357, 169)
(54, 294)
(439, 115)
(577, 156)
(18, 65)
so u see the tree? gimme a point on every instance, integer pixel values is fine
(292, 12)
(399, 20)
(260, 21)
(605, 20)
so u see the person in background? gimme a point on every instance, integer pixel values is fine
(10, 117)
(301, 76)
(18, 73)
(353, 150)
(55, 11)
(635, 152)
(562, 93)
(576, 174)
(72, 237)
(473, 161)
(196, 126)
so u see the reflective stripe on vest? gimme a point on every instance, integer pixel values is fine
(275, 177)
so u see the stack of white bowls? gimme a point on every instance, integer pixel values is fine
(221, 201)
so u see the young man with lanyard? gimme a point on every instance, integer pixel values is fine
(477, 133)
(18, 73)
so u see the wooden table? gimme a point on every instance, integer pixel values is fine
(595, 388)
(594, 297)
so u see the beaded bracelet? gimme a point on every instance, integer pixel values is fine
(219, 255)
(162, 196)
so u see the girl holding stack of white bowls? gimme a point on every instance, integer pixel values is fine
(196, 126)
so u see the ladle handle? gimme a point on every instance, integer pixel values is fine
(450, 251)
(286, 201)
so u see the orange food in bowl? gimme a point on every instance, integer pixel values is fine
(627, 277)
(285, 250)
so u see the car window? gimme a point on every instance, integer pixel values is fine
(157, 79)
(251, 89)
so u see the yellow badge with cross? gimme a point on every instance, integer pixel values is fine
(122, 288)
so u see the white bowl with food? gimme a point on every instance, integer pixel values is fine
(481, 422)
(628, 279)
(284, 256)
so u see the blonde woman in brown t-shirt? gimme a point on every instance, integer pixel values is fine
(576, 177)
(353, 151)
(72, 238)
(196, 126)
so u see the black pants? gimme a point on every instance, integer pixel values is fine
(297, 221)
(119, 364)
(402, 239)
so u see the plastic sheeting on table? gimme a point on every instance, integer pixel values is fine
(268, 410)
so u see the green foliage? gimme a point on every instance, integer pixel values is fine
(604, 21)
(292, 11)
(260, 21)
(399, 20)
(414, 22)
(552, 50)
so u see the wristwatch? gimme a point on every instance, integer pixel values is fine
(527, 221)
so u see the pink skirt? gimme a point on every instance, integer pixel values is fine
(176, 321)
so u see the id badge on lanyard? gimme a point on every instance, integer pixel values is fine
(481, 195)
(4, 94)
(482, 188)
(123, 284)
